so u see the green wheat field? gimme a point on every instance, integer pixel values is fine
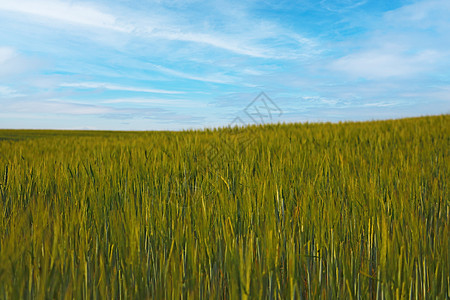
(296, 211)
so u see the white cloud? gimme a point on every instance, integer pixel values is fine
(6, 53)
(11, 63)
(382, 63)
(8, 92)
(65, 11)
(108, 86)
(407, 42)
(422, 14)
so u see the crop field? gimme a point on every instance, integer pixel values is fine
(297, 211)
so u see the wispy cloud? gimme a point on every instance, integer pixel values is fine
(249, 41)
(379, 104)
(341, 6)
(113, 87)
(54, 106)
(214, 78)
(159, 102)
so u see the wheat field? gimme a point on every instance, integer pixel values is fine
(287, 211)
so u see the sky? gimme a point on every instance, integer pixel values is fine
(187, 64)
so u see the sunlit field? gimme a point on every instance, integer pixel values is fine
(299, 211)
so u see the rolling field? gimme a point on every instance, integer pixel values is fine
(300, 211)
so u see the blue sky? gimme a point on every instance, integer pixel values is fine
(174, 64)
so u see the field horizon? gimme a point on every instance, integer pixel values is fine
(220, 127)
